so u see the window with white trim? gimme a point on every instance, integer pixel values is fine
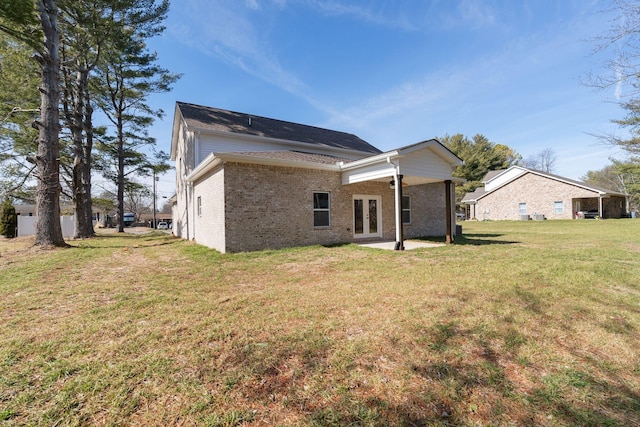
(199, 206)
(522, 208)
(406, 209)
(321, 209)
(558, 208)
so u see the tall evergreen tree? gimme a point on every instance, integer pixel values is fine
(86, 27)
(36, 24)
(19, 106)
(480, 156)
(91, 31)
(127, 75)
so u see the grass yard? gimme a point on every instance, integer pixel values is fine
(518, 323)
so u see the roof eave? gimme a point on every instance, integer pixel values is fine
(215, 159)
(372, 160)
(256, 160)
(208, 164)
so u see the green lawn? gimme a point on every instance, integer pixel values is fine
(518, 323)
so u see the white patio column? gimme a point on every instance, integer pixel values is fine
(600, 207)
(398, 193)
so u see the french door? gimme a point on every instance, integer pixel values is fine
(367, 216)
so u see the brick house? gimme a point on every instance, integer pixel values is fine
(246, 183)
(520, 193)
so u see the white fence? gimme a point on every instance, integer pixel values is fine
(27, 225)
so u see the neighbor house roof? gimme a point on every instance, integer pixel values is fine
(491, 175)
(472, 197)
(203, 118)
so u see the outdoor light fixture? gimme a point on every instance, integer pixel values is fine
(392, 183)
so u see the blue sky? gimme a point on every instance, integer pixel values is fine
(396, 72)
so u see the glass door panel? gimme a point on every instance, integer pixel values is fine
(366, 216)
(358, 214)
(373, 216)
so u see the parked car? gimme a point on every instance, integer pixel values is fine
(163, 226)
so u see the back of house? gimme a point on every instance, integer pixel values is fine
(246, 182)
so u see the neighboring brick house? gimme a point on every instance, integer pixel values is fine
(520, 193)
(247, 183)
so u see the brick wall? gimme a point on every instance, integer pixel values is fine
(428, 216)
(539, 193)
(209, 225)
(272, 207)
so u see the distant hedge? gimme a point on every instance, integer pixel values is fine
(8, 219)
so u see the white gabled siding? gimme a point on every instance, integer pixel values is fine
(503, 178)
(208, 144)
(425, 163)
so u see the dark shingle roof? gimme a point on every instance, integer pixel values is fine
(217, 119)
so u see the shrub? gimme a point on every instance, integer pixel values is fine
(8, 219)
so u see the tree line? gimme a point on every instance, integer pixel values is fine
(618, 50)
(481, 156)
(60, 61)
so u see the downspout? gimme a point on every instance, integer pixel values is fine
(186, 203)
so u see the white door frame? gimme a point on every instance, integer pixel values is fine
(366, 233)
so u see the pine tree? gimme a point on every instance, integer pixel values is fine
(36, 24)
(127, 75)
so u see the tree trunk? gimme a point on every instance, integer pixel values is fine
(83, 223)
(88, 147)
(120, 142)
(48, 228)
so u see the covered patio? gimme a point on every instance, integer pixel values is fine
(426, 162)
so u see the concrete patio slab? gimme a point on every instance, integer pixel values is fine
(408, 245)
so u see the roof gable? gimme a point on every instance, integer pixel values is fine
(203, 118)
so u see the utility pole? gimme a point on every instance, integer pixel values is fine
(155, 178)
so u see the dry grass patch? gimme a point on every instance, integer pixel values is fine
(518, 323)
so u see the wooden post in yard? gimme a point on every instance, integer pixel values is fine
(447, 195)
